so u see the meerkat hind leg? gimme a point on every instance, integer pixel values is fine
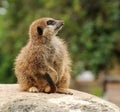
(25, 82)
(62, 86)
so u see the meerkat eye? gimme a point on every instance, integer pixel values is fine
(51, 22)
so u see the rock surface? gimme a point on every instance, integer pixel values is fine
(12, 100)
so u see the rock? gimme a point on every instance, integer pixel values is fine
(12, 100)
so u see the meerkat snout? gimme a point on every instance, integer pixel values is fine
(59, 25)
(53, 26)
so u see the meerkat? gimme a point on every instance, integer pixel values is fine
(43, 65)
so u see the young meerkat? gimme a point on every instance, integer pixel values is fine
(44, 63)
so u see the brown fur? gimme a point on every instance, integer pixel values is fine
(44, 53)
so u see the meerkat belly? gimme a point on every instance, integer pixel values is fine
(56, 55)
(58, 60)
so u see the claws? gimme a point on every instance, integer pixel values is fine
(63, 91)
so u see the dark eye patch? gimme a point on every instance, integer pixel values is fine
(40, 30)
(51, 22)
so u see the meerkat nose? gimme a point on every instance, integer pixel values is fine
(62, 22)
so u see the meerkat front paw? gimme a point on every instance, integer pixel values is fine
(47, 89)
(33, 90)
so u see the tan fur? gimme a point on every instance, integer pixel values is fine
(43, 53)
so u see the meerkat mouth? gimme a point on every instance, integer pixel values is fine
(59, 25)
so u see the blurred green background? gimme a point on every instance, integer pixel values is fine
(91, 30)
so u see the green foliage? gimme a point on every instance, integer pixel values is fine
(97, 91)
(91, 31)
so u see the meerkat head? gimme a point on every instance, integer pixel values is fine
(45, 28)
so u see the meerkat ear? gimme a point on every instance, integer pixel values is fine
(40, 30)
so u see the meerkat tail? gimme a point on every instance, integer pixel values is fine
(50, 82)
